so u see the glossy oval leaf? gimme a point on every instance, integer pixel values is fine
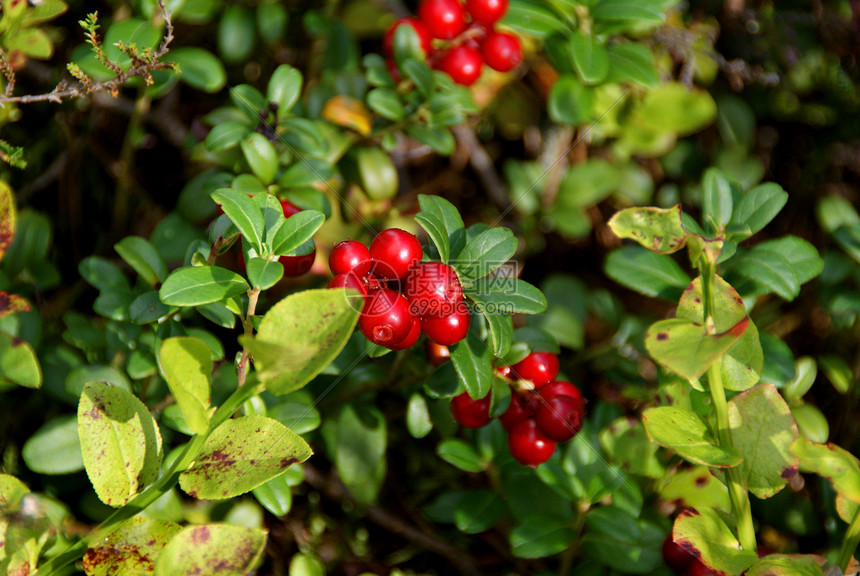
(361, 437)
(143, 258)
(284, 88)
(186, 364)
(655, 275)
(472, 361)
(261, 156)
(540, 536)
(831, 462)
(443, 224)
(686, 348)
(198, 68)
(657, 229)
(703, 533)
(684, 432)
(55, 448)
(590, 58)
(18, 362)
(132, 549)
(212, 549)
(195, 285)
(485, 252)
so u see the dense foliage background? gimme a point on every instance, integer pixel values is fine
(616, 105)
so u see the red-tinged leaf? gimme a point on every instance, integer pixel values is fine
(7, 217)
(11, 304)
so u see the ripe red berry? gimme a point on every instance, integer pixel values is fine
(562, 388)
(436, 353)
(675, 556)
(395, 252)
(349, 256)
(289, 208)
(487, 12)
(560, 417)
(348, 280)
(411, 338)
(471, 413)
(444, 18)
(433, 290)
(529, 445)
(298, 265)
(539, 367)
(421, 29)
(385, 318)
(522, 406)
(463, 64)
(502, 51)
(449, 330)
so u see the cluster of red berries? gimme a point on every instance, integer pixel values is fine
(681, 561)
(402, 296)
(538, 417)
(471, 38)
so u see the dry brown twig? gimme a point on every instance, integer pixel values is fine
(142, 65)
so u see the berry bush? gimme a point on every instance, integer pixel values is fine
(507, 287)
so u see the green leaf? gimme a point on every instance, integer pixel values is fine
(195, 285)
(54, 448)
(674, 107)
(420, 74)
(131, 549)
(297, 416)
(618, 539)
(306, 172)
(508, 296)
(78, 378)
(717, 190)
(198, 68)
(406, 45)
(759, 206)
(299, 336)
(704, 534)
(226, 135)
(639, 12)
(588, 183)
(590, 58)
(684, 432)
(626, 442)
(472, 361)
(461, 455)
(11, 492)
(143, 258)
(570, 102)
(778, 360)
(537, 339)
(249, 100)
(849, 238)
(800, 254)
(235, 550)
(443, 224)
(120, 443)
(386, 102)
(805, 373)
(788, 565)
(240, 455)
(479, 511)
(540, 536)
(418, 421)
(633, 63)
(831, 462)
(359, 457)
(770, 270)
(834, 212)
(103, 274)
(763, 430)
(658, 229)
(275, 495)
(743, 362)
(18, 362)
(443, 382)
(186, 364)
(696, 487)
(296, 231)
(261, 156)
(148, 308)
(263, 273)
(838, 372)
(687, 348)
(500, 325)
(440, 140)
(654, 275)
(284, 88)
(486, 252)
(533, 18)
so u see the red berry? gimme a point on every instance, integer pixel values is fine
(444, 18)
(436, 353)
(424, 35)
(395, 252)
(503, 371)
(411, 338)
(539, 367)
(522, 406)
(699, 569)
(374, 282)
(560, 418)
(385, 318)
(349, 256)
(502, 51)
(562, 388)
(529, 445)
(298, 265)
(348, 280)
(471, 413)
(289, 208)
(675, 556)
(433, 290)
(487, 12)
(391, 66)
(463, 64)
(449, 330)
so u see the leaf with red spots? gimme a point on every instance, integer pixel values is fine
(657, 229)
(242, 454)
(132, 549)
(7, 217)
(626, 442)
(186, 364)
(18, 363)
(11, 304)
(763, 430)
(684, 432)
(788, 565)
(120, 442)
(212, 550)
(689, 348)
(696, 487)
(832, 462)
(704, 534)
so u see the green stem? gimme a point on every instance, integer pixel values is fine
(737, 492)
(55, 565)
(850, 542)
